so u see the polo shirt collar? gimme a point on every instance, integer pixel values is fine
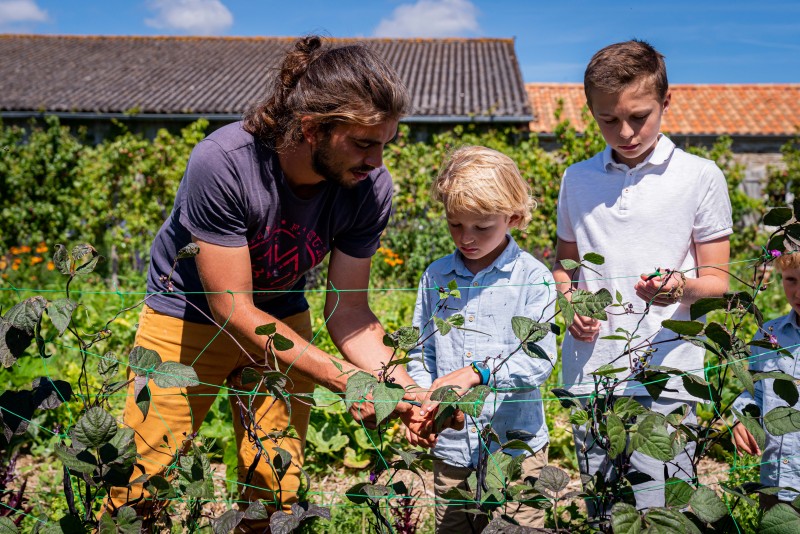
(454, 263)
(659, 155)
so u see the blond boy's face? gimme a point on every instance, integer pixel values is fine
(791, 286)
(630, 121)
(480, 238)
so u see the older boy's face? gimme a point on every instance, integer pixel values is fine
(630, 121)
(791, 286)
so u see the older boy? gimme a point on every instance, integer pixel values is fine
(643, 204)
(780, 463)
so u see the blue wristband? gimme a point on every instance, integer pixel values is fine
(483, 371)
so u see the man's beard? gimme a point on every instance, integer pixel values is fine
(322, 161)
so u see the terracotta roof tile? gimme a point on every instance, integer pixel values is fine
(213, 75)
(734, 109)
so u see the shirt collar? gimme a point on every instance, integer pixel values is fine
(788, 320)
(503, 263)
(659, 155)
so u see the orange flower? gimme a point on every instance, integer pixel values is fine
(51, 266)
(41, 248)
(25, 249)
(14, 250)
(3, 264)
(36, 260)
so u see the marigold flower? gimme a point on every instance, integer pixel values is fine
(35, 260)
(14, 250)
(25, 249)
(41, 248)
(51, 266)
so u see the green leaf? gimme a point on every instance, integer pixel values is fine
(666, 521)
(386, 396)
(753, 426)
(651, 438)
(780, 519)
(442, 325)
(627, 407)
(27, 315)
(452, 285)
(684, 328)
(84, 259)
(60, 313)
(677, 492)
(471, 402)
(108, 365)
(782, 420)
(719, 335)
(594, 258)
(566, 398)
(707, 505)
(281, 462)
(61, 259)
(616, 435)
(743, 375)
(359, 385)
(625, 519)
(778, 216)
(142, 395)
(569, 265)
(49, 394)
(776, 375)
(407, 337)
(591, 305)
(608, 369)
(95, 428)
(13, 343)
(256, 510)
(227, 522)
(82, 462)
(551, 479)
(776, 242)
(578, 417)
(456, 320)
(654, 382)
(389, 342)
(567, 311)
(281, 343)
(266, 329)
(696, 386)
(143, 361)
(529, 330)
(705, 305)
(7, 526)
(175, 375)
(327, 440)
(786, 390)
(189, 251)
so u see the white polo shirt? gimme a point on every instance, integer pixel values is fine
(639, 219)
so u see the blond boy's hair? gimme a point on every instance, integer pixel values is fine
(484, 181)
(618, 66)
(788, 260)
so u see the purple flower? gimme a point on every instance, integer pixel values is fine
(775, 253)
(773, 340)
(373, 477)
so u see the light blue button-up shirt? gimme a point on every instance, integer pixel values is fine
(781, 456)
(515, 284)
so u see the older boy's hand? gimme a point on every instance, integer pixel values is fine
(744, 440)
(660, 290)
(585, 328)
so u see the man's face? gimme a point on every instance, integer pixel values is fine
(630, 120)
(350, 152)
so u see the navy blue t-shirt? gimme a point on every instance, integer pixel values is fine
(234, 194)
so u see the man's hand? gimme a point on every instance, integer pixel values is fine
(744, 440)
(363, 411)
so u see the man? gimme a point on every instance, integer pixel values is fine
(265, 200)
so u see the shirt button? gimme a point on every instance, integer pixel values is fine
(471, 318)
(786, 461)
(469, 354)
(474, 284)
(473, 430)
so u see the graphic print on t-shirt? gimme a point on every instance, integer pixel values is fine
(279, 256)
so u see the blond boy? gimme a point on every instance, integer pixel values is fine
(646, 206)
(484, 197)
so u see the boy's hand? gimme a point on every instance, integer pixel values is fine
(663, 290)
(462, 379)
(744, 440)
(585, 328)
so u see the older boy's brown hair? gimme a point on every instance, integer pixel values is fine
(617, 66)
